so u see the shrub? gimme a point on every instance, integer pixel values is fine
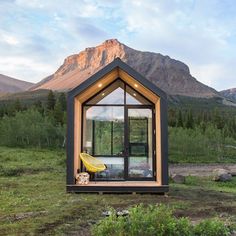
(151, 220)
(111, 226)
(11, 171)
(30, 129)
(156, 220)
(211, 227)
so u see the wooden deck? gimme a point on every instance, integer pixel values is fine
(119, 187)
(122, 183)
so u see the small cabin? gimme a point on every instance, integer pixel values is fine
(120, 118)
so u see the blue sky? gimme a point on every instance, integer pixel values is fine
(36, 35)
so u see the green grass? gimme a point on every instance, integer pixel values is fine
(34, 201)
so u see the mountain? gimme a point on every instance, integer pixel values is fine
(11, 85)
(229, 93)
(170, 75)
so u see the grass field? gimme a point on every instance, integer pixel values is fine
(34, 202)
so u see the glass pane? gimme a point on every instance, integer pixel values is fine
(102, 137)
(118, 137)
(140, 167)
(114, 171)
(103, 130)
(138, 149)
(132, 97)
(140, 143)
(114, 94)
(138, 129)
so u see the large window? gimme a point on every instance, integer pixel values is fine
(105, 118)
(104, 130)
(140, 162)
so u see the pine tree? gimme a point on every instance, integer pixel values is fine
(172, 117)
(51, 101)
(190, 121)
(17, 105)
(218, 119)
(58, 112)
(62, 100)
(180, 119)
(38, 105)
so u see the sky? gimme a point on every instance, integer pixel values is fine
(36, 36)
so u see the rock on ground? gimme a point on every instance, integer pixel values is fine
(221, 175)
(179, 179)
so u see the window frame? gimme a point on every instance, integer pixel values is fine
(151, 105)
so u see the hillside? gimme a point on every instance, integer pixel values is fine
(229, 93)
(11, 85)
(169, 74)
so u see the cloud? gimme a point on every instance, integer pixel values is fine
(216, 75)
(9, 39)
(195, 32)
(27, 68)
(40, 34)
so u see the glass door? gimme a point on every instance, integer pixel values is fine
(118, 130)
(139, 143)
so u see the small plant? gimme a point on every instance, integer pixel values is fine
(211, 227)
(148, 221)
(156, 220)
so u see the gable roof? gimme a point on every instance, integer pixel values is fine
(117, 62)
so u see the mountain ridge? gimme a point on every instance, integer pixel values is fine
(11, 85)
(170, 75)
(229, 93)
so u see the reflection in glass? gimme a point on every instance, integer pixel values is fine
(103, 137)
(114, 94)
(134, 98)
(114, 171)
(140, 143)
(103, 130)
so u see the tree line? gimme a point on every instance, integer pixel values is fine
(225, 122)
(40, 124)
(43, 123)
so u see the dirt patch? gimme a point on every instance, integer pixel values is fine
(199, 169)
(8, 172)
(22, 216)
(78, 214)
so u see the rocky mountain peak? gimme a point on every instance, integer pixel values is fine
(92, 57)
(171, 75)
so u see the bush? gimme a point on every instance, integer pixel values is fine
(31, 129)
(211, 227)
(156, 220)
(151, 220)
(196, 145)
(10, 171)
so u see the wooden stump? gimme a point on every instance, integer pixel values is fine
(82, 178)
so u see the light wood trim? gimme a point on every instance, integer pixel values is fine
(141, 89)
(77, 133)
(88, 93)
(106, 80)
(158, 143)
(122, 183)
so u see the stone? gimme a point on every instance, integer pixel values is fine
(221, 175)
(233, 173)
(122, 213)
(179, 179)
(233, 233)
(106, 213)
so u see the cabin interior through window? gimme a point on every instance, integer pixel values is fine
(118, 129)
